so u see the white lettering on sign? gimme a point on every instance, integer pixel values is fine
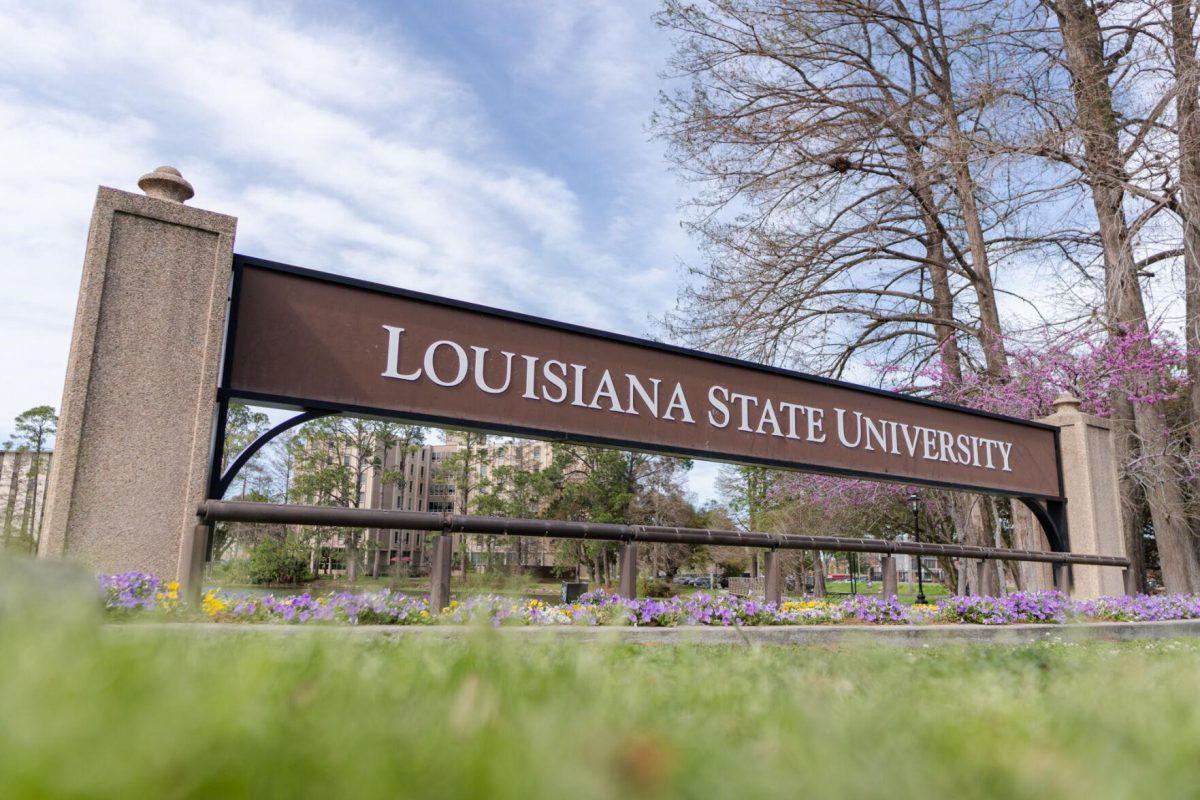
(553, 381)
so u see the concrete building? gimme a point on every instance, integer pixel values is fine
(427, 485)
(22, 497)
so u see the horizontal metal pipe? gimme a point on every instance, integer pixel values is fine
(235, 511)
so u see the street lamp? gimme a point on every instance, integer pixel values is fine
(914, 504)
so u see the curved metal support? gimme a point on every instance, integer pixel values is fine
(235, 467)
(1053, 518)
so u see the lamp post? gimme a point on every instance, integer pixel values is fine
(914, 504)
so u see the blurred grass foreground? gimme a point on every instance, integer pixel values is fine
(144, 711)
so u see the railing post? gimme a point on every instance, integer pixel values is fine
(629, 557)
(1130, 580)
(439, 573)
(197, 550)
(887, 565)
(774, 586)
(1062, 577)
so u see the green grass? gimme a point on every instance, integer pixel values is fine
(139, 711)
(520, 586)
(906, 593)
(504, 585)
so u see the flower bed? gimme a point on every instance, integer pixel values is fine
(135, 594)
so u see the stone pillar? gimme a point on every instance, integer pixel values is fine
(629, 568)
(774, 584)
(1093, 496)
(138, 411)
(887, 565)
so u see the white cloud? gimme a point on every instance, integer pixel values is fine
(340, 146)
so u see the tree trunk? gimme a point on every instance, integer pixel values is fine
(1125, 450)
(973, 517)
(14, 478)
(27, 519)
(34, 474)
(376, 555)
(818, 576)
(1031, 576)
(1187, 112)
(943, 302)
(1124, 305)
(42, 509)
(351, 551)
(936, 63)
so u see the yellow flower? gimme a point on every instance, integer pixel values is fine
(424, 613)
(212, 604)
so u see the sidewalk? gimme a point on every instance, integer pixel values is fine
(894, 635)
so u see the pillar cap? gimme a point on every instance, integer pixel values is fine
(166, 183)
(1065, 402)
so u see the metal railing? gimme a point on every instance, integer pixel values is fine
(212, 511)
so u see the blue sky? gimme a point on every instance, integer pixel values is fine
(494, 152)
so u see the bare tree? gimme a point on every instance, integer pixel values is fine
(846, 208)
(851, 206)
(1103, 160)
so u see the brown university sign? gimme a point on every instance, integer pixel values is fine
(312, 340)
(171, 326)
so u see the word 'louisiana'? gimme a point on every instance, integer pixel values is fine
(537, 378)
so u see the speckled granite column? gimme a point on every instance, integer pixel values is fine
(137, 415)
(1089, 468)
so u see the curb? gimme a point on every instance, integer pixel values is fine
(901, 636)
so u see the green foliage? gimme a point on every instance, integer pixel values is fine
(462, 468)
(277, 560)
(242, 427)
(331, 460)
(232, 571)
(601, 485)
(35, 428)
(514, 492)
(750, 493)
(654, 587)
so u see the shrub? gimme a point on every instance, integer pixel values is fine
(231, 571)
(654, 587)
(278, 561)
